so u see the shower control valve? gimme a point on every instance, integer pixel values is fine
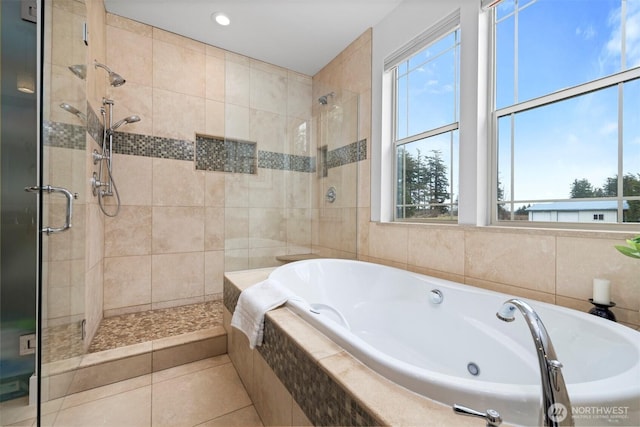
(331, 195)
(96, 184)
(97, 157)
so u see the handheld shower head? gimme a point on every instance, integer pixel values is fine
(126, 120)
(79, 70)
(115, 79)
(73, 110)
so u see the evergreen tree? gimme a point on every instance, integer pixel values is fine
(581, 188)
(422, 182)
(437, 183)
(408, 180)
(502, 212)
(630, 187)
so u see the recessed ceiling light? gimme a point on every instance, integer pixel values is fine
(221, 18)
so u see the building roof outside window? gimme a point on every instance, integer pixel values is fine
(595, 205)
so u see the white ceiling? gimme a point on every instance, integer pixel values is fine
(301, 35)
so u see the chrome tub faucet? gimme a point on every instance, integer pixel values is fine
(556, 406)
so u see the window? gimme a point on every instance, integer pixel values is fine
(426, 81)
(567, 107)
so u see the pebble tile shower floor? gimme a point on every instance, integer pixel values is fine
(134, 328)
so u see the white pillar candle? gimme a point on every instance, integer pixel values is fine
(601, 291)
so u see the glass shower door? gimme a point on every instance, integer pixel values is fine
(336, 122)
(62, 183)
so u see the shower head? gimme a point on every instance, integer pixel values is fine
(73, 110)
(324, 99)
(115, 79)
(126, 120)
(80, 70)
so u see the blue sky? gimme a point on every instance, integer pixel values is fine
(564, 43)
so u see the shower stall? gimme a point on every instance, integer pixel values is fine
(339, 150)
(286, 176)
(282, 213)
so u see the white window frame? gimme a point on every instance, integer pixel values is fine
(440, 30)
(617, 79)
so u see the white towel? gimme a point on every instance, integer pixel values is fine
(253, 303)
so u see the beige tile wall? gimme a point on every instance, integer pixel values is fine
(555, 266)
(335, 225)
(179, 229)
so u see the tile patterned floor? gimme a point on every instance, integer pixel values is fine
(207, 393)
(63, 342)
(127, 329)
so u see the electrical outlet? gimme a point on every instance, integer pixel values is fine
(27, 344)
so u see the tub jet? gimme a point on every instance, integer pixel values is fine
(473, 369)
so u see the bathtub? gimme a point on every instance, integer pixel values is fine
(457, 351)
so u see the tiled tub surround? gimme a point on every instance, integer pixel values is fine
(300, 377)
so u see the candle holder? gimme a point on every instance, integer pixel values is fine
(602, 310)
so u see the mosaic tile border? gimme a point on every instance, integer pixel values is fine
(290, 162)
(323, 401)
(152, 146)
(208, 153)
(230, 295)
(237, 156)
(64, 135)
(351, 153)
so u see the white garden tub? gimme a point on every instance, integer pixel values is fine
(458, 351)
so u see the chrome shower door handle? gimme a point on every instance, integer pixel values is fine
(69, 214)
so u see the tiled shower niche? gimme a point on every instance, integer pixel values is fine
(214, 153)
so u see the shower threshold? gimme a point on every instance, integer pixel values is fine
(160, 340)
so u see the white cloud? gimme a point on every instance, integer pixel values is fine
(587, 33)
(633, 34)
(610, 128)
(613, 46)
